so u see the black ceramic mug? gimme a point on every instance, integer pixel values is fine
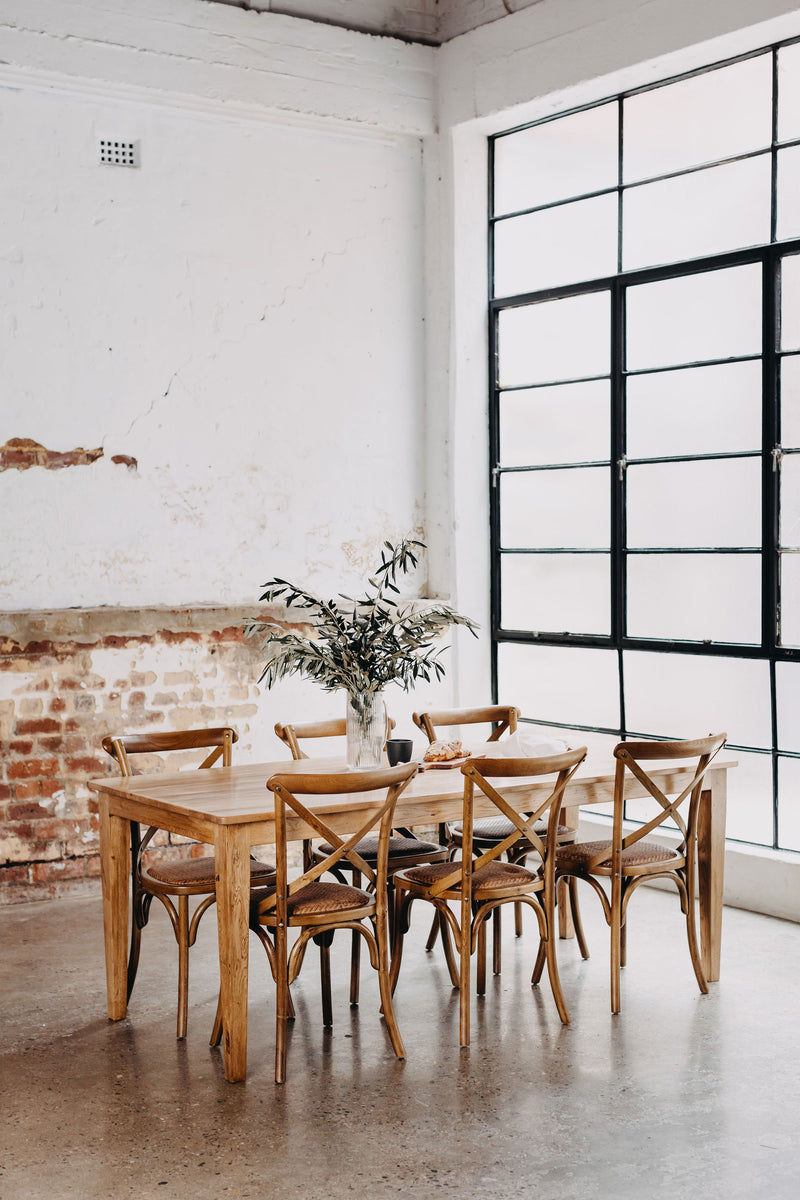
(398, 750)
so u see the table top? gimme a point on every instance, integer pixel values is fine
(239, 795)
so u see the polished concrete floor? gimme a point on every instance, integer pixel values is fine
(681, 1095)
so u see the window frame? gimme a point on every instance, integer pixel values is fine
(769, 256)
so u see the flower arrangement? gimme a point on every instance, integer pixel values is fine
(359, 644)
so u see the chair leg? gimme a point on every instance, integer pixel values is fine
(623, 943)
(385, 987)
(464, 998)
(538, 966)
(576, 916)
(555, 981)
(497, 945)
(133, 957)
(481, 968)
(183, 965)
(616, 941)
(355, 953)
(216, 1031)
(447, 946)
(325, 976)
(281, 1014)
(518, 906)
(434, 930)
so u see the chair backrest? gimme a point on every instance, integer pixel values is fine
(287, 790)
(696, 755)
(532, 807)
(503, 716)
(219, 740)
(292, 735)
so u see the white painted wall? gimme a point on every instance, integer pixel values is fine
(243, 314)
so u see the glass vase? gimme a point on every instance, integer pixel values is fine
(365, 729)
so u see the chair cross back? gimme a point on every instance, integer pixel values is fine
(503, 716)
(284, 787)
(475, 772)
(292, 735)
(220, 740)
(627, 754)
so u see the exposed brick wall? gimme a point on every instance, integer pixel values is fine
(67, 679)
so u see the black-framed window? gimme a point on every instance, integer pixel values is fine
(645, 422)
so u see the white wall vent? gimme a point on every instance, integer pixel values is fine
(119, 154)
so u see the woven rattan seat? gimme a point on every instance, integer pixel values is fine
(493, 875)
(193, 871)
(318, 898)
(496, 828)
(399, 847)
(641, 854)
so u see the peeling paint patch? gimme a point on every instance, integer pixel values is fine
(124, 460)
(19, 454)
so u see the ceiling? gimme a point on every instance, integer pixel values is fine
(430, 21)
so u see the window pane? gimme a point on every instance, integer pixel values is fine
(749, 814)
(789, 93)
(569, 423)
(700, 410)
(788, 223)
(790, 599)
(558, 245)
(790, 401)
(706, 503)
(556, 339)
(716, 314)
(564, 684)
(691, 695)
(570, 156)
(790, 501)
(693, 215)
(790, 302)
(787, 684)
(555, 508)
(789, 803)
(695, 597)
(715, 115)
(556, 593)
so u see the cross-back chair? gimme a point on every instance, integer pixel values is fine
(488, 831)
(189, 877)
(405, 849)
(628, 860)
(319, 907)
(480, 886)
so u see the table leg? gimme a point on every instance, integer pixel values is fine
(115, 874)
(711, 870)
(232, 850)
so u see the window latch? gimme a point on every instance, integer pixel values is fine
(622, 466)
(495, 473)
(777, 458)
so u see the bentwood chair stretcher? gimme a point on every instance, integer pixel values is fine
(234, 811)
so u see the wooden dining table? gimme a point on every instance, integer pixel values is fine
(231, 809)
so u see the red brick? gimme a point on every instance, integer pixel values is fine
(16, 873)
(49, 787)
(81, 765)
(71, 725)
(76, 742)
(92, 865)
(26, 811)
(71, 684)
(43, 725)
(6, 791)
(41, 685)
(69, 868)
(27, 791)
(51, 745)
(58, 704)
(136, 699)
(20, 746)
(32, 768)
